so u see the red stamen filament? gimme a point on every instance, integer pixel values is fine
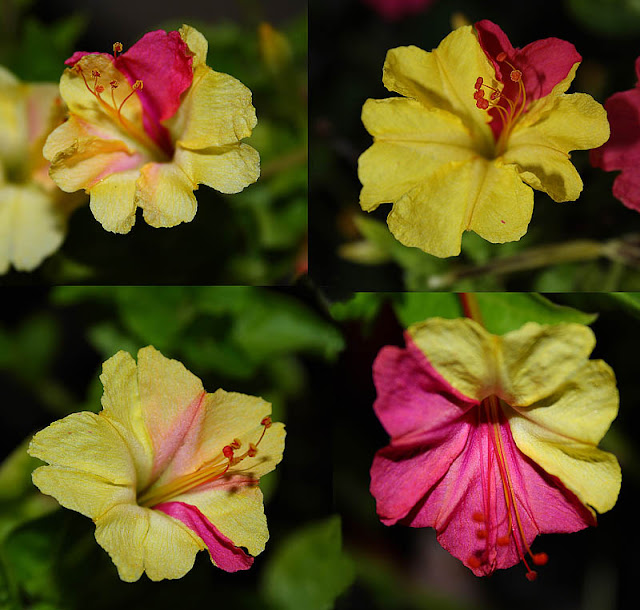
(210, 471)
(516, 107)
(515, 530)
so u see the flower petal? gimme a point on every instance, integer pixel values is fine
(91, 468)
(113, 201)
(626, 188)
(503, 204)
(410, 142)
(236, 508)
(141, 540)
(121, 405)
(443, 78)
(561, 433)
(82, 155)
(576, 122)
(31, 227)
(217, 110)
(165, 193)
(537, 359)
(222, 551)
(171, 398)
(227, 169)
(223, 417)
(548, 170)
(462, 352)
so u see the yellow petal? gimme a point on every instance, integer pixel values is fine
(444, 78)
(197, 44)
(227, 169)
(165, 193)
(237, 512)
(500, 206)
(84, 493)
(170, 396)
(538, 358)
(82, 155)
(142, 540)
(13, 119)
(462, 351)
(217, 110)
(561, 433)
(113, 201)
(31, 227)
(122, 407)
(546, 170)
(410, 142)
(575, 122)
(91, 467)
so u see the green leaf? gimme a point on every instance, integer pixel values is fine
(501, 311)
(611, 17)
(362, 306)
(309, 569)
(277, 324)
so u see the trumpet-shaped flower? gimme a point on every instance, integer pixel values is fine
(622, 151)
(147, 126)
(479, 123)
(494, 438)
(33, 211)
(165, 469)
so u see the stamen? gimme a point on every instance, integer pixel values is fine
(501, 56)
(210, 471)
(117, 48)
(478, 82)
(515, 75)
(514, 529)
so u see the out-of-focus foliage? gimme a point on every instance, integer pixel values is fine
(254, 237)
(276, 343)
(590, 244)
(500, 312)
(309, 569)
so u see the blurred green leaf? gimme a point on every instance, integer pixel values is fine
(278, 324)
(501, 312)
(309, 568)
(611, 17)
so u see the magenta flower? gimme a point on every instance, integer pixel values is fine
(494, 438)
(622, 151)
(396, 9)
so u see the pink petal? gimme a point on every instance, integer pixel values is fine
(162, 62)
(441, 469)
(543, 63)
(222, 550)
(626, 188)
(473, 484)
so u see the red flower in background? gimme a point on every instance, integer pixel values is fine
(622, 151)
(396, 9)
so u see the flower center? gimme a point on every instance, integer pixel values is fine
(509, 108)
(210, 471)
(487, 530)
(97, 87)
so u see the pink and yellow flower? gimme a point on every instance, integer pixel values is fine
(33, 211)
(479, 124)
(149, 125)
(165, 469)
(494, 438)
(622, 151)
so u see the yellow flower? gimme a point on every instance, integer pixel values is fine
(148, 126)
(33, 211)
(478, 124)
(165, 469)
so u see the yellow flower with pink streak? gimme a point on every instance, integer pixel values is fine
(149, 125)
(166, 469)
